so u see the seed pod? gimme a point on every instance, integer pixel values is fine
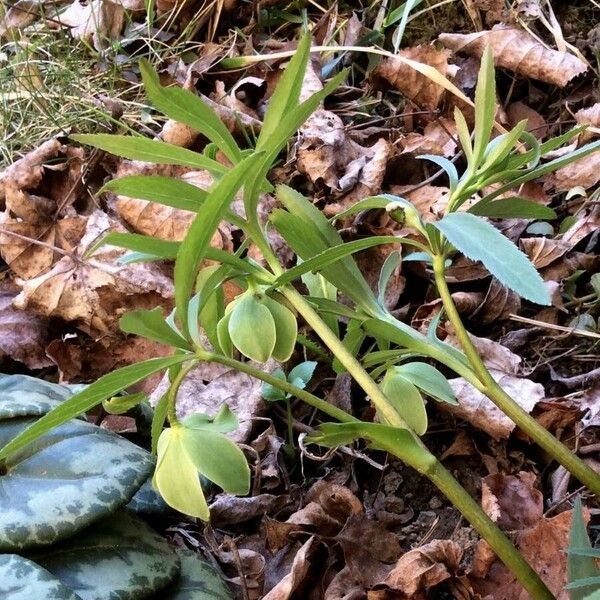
(406, 399)
(252, 328)
(286, 329)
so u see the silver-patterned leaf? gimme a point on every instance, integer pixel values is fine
(21, 579)
(147, 501)
(197, 581)
(64, 481)
(22, 396)
(118, 558)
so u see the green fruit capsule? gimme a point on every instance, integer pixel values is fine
(406, 399)
(252, 328)
(286, 329)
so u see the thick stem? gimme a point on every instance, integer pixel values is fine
(489, 531)
(488, 386)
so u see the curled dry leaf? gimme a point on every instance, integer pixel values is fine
(584, 173)
(210, 385)
(518, 51)
(479, 410)
(18, 16)
(543, 251)
(421, 569)
(536, 124)
(228, 510)
(439, 137)
(23, 336)
(416, 87)
(498, 304)
(27, 172)
(98, 21)
(94, 294)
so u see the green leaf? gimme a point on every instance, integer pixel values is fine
(270, 392)
(302, 373)
(580, 567)
(479, 240)
(464, 136)
(105, 387)
(512, 208)
(119, 557)
(151, 151)
(406, 399)
(286, 94)
(168, 191)
(185, 107)
(176, 476)
(224, 421)
(158, 421)
(119, 405)
(286, 329)
(402, 443)
(389, 266)
(485, 104)
(194, 247)
(77, 469)
(330, 256)
(212, 300)
(151, 324)
(252, 329)
(427, 379)
(22, 579)
(217, 458)
(501, 146)
(446, 165)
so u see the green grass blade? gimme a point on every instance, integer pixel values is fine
(94, 394)
(147, 150)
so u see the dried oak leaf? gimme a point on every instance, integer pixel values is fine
(479, 410)
(94, 294)
(419, 570)
(518, 51)
(23, 336)
(416, 87)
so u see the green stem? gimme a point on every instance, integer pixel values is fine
(172, 393)
(488, 386)
(288, 388)
(489, 531)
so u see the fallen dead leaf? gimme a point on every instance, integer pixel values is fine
(416, 87)
(518, 51)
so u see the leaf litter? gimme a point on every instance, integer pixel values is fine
(335, 527)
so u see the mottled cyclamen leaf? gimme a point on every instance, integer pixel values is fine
(147, 501)
(21, 579)
(64, 481)
(197, 581)
(119, 558)
(23, 396)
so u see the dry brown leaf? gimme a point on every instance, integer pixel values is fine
(27, 172)
(285, 588)
(97, 22)
(543, 251)
(421, 569)
(589, 116)
(94, 294)
(584, 173)
(23, 336)
(416, 87)
(543, 546)
(518, 51)
(501, 493)
(536, 124)
(570, 263)
(207, 387)
(499, 303)
(587, 222)
(479, 410)
(18, 16)
(226, 510)
(439, 137)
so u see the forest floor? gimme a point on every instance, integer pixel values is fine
(354, 524)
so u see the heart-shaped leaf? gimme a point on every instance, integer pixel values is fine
(64, 480)
(197, 581)
(119, 557)
(22, 579)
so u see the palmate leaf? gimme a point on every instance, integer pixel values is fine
(479, 240)
(152, 151)
(105, 387)
(185, 107)
(193, 248)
